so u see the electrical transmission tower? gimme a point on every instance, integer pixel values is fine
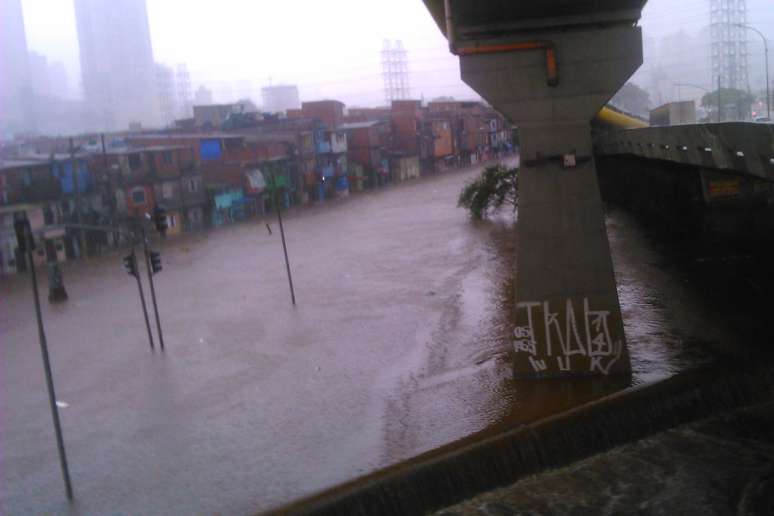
(729, 43)
(395, 71)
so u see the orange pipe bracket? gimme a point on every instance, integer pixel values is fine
(552, 72)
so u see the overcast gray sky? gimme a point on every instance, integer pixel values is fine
(331, 49)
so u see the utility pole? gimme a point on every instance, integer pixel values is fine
(130, 263)
(111, 192)
(26, 243)
(282, 235)
(77, 188)
(149, 268)
(104, 151)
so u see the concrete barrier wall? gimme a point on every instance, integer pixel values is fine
(739, 147)
(435, 481)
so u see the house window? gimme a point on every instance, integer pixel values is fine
(193, 185)
(134, 161)
(138, 196)
(167, 191)
(166, 157)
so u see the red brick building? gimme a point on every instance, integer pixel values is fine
(329, 112)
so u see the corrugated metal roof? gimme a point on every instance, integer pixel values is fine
(10, 164)
(185, 135)
(151, 148)
(57, 156)
(360, 125)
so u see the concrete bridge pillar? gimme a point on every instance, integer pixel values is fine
(568, 315)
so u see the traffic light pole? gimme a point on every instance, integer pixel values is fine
(142, 300)
(47, 369)
(152, 288)
(284, 246)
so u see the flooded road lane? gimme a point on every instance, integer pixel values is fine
(398, 345)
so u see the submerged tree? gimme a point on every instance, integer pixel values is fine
(496, 186)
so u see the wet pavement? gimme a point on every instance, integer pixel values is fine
(398, 345)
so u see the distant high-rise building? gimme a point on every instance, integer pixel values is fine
(203, 96)
(280, 98)
(15, 94)
(184, 94)
(117, 67)
(395, 71)
(48, 79)
(165, 89)
(39, 76)
(728, 43)
(57, 77)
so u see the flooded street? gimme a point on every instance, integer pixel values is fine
(398, 345)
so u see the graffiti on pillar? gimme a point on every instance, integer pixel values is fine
(584, 335)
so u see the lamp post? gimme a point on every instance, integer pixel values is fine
(687, 84)
(680, 84)
(766, 57)
(26, 245)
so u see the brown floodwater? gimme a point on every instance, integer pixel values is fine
(398, 345)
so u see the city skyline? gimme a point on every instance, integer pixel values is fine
(117, 65)
(334, 68)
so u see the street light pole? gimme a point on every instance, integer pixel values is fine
(24, 236)
(678, 84)
(766, 56)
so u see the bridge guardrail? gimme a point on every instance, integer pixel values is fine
(737, 147)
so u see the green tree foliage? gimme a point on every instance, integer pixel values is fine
(632, 99)
(730, 100)
(497, 185)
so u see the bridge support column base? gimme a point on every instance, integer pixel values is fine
(568, 319)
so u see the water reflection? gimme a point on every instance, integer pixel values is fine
(670, 325)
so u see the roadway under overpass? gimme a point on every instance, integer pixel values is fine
(550, 67)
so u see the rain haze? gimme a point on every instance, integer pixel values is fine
(332, 50)
(322, 257)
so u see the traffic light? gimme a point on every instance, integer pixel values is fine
(130, 264)
(160, 219)
(155, 261)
